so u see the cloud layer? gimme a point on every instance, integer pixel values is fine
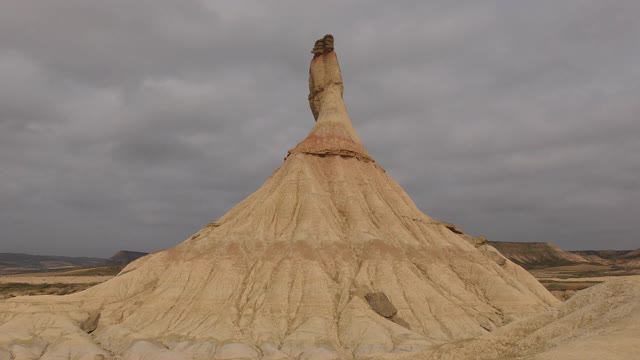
(131, 125)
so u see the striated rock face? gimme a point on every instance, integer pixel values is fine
(285, 273)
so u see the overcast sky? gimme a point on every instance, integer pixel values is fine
(132, 124)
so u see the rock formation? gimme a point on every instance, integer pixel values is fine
(537, 254)
(287, 272)
(323, 46)
(123, 257)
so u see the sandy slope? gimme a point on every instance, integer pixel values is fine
(602, 322)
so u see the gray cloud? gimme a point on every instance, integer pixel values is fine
(131, 125)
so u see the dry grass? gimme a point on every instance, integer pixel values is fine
(582, 271)
(54, 283)
(9, 290)
(567, 285)
(100, 271)
(564, 281)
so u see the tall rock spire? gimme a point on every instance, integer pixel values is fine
(333, 133)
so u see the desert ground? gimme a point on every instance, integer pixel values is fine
(54, 283)
(23, 274)
(562, 281)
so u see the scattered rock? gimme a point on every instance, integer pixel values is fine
(454, 228)
(486, 324)
(500, 260)
(381, 304)
(400, 321)
(91, 323)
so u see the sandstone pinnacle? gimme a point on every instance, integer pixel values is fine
(333, 133)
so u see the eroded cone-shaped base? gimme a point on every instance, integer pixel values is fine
(288, 270)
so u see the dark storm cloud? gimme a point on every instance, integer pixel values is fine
(130, 125)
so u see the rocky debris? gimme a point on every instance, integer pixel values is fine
(400, 321)
(487, 250)
(476, 241)
(453, 228)
(381, 304)
(90, 323)
(481, 243)
(323, 46)
(498, 258)
(486, 324)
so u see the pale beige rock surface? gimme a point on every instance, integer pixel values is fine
(284, 274)
(601, 322)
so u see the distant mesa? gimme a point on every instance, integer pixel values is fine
(537, 254)
(124, 257)
(608, 254)
(11, 263)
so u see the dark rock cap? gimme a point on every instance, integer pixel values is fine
(323, 46)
